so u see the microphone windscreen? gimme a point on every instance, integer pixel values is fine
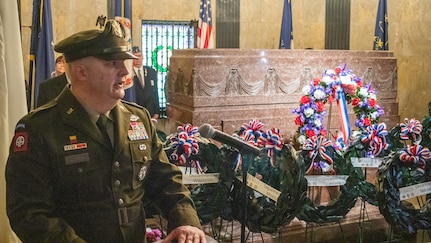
(206, 131)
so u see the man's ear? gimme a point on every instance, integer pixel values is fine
(80, 71)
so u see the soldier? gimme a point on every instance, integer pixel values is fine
(71, 179)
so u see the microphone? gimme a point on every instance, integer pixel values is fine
(207, 131)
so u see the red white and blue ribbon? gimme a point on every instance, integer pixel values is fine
(375, 135)
(273, 142)
(339, 144)
(343, 113)
(411, 127)
(252, 132)
(417, 155)
(317, 146)
(197, 165)
(184, 144)
(238, 162)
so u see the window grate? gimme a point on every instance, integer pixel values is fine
(159, 38)
(337, 27)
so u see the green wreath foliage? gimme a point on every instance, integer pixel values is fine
(337, 208)
(210, 199)
(365, 190)
(264, 214)
(394, 174)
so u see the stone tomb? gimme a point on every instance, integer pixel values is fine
(229, 87)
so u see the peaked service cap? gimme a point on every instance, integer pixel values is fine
(107, 44)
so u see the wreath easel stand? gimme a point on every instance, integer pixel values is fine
(244, 167)
(311, 191)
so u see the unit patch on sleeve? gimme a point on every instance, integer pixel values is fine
(20, 141)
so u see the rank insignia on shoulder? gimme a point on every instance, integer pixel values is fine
(142, 173)
(20, 141)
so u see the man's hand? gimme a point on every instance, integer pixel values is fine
(186, 234)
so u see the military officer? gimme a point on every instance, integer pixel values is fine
(71, 179)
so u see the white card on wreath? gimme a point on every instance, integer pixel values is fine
(362, 162)
(261, 187)
(415, 190)
(326, 180)
(191, 176)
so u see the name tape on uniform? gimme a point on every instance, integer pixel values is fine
(415, 190)
(261, 187)
(366, 162)
(326, 180)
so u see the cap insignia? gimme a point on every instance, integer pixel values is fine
(117, 29)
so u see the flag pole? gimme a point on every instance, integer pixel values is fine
(33, 44)
(29, 86)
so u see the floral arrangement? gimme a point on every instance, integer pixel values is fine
(183, 146)
(277, 167)
(153, 235)
(335, 84)
(346, 88)
(365, 106)
(323, 156)
(338, 207)
(407, 164)
(187, 148)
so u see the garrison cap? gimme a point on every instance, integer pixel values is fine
(108, 44)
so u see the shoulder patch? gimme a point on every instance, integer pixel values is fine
(20, 141)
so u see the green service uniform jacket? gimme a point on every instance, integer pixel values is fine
(50, 88)
(64, 183)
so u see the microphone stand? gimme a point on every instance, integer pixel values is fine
(244, 168)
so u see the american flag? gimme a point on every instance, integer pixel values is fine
(205, 37)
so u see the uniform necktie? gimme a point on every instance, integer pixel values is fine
(102, 123)
(141, 78)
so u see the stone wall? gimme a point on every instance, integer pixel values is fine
(260, 21)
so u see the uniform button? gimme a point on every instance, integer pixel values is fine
(120, 202)
(117, 164)
(145, 158)
(80, 170)
(117, 182)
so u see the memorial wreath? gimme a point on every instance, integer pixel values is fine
(321, 155)
(276, 168)
(187, 149)
(406, 167)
